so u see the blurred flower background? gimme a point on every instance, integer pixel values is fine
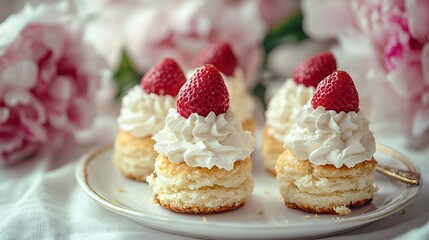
(49, 79)
(382, 44)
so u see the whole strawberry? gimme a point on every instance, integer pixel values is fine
(164, 78)
(337, 92)
(203, 93)
(219, 55)
(313, 70)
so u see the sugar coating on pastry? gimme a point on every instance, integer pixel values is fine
(284, 107)
(182, 188)
(271, 150)
(324, 188)
(134, 157)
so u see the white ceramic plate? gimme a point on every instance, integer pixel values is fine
(263, 216)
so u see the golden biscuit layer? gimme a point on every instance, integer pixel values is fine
(249, 125)
(271, 150)
(324, 189)
(133, 156)
(182, 188)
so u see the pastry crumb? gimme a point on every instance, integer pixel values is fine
(342, 210)
(266, 192)
(204, 219)
(260, 213)
(120, 189)
(286, 221)
(316, 216)
(306, 216)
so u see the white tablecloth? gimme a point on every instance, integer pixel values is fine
(40, 199)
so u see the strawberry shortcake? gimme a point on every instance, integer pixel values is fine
(284, 106)
(204, 164)
(328, 165)
(142, 115)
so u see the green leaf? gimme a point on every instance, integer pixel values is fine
(126, 76)
(289, 31)
(259, 92)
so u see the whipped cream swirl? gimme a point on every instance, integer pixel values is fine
(204, 141)
(328, 137)
(144, 114)
(240, 100)
(284, 107)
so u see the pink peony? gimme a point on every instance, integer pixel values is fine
(48, 79)
(182, 28)
(151, 30)
(384, 44)
(275, 12)
(105, 26)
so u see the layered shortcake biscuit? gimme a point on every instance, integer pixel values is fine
(204, 164)
(328, 165)
(223, 58)
(285, 104)
(142, 115)
(324, 188)
(182, 188)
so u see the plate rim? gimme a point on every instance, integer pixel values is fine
(81, 174)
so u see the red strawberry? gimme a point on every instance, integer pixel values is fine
(220, 55)
(164, 78)
(313, 70)
(203, 93)
(337, 92)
